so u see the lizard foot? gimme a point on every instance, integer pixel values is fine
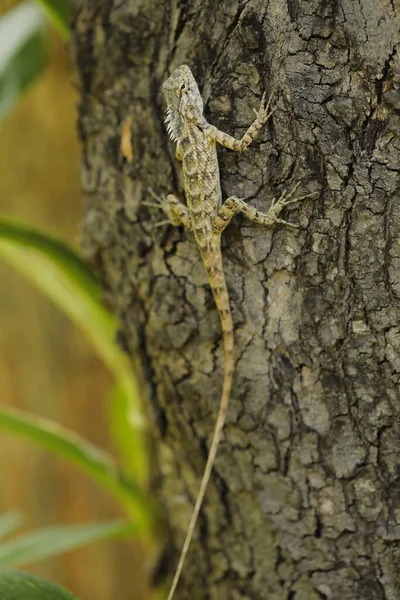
(177, 212)
(161, 203)
(158, 201)
(263, 113)
(284, 200)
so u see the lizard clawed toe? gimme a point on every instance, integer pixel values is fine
(299, 199)
(162, 223)
(151, 204)
(287, 223)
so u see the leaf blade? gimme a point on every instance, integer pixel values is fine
(58, 12)
(87, 457)
(17, 585)
(51, 541)
(65, 278)
(9, 522)
(22, 52)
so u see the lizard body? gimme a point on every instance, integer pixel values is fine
(206, 216)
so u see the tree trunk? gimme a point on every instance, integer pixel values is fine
(304, 501)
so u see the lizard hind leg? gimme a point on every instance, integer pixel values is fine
(233, 205)
(178, 213)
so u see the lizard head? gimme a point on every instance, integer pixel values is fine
(183, 96)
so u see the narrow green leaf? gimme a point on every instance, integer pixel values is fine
(22, 52)
(17, 585)
(50, 541)
(59, 13)
(26, 236)
(9, 522)
(121, 428)
(85, 456)
(66, 279)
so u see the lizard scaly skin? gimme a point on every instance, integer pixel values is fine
(206, 216)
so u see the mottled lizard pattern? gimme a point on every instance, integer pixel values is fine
(206, 216)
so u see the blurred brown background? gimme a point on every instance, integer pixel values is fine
(46, 365)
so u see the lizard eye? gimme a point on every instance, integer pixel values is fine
(183, 87)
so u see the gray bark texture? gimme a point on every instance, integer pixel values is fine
(304, 501)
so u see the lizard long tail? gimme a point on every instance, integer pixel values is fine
(218, 285)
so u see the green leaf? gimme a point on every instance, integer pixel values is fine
(9, 522)
(17, 585)
(50, 541)
(121, 428)
(66, 279)
(59, 14)
(22, 52)
(85, 456)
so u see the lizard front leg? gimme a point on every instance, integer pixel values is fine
(179, 152)
(262, 116)
(233, 205)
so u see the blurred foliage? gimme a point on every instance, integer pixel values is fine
(22, 52)
(58, 12)
(50, 541)
(9, 523)
(90, 459)
(66, 280)
(17, 585)
(22, 46)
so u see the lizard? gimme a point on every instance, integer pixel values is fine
(206, 217)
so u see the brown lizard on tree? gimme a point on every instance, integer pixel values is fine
(206, 216)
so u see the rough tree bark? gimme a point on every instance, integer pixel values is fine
(304, 501)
